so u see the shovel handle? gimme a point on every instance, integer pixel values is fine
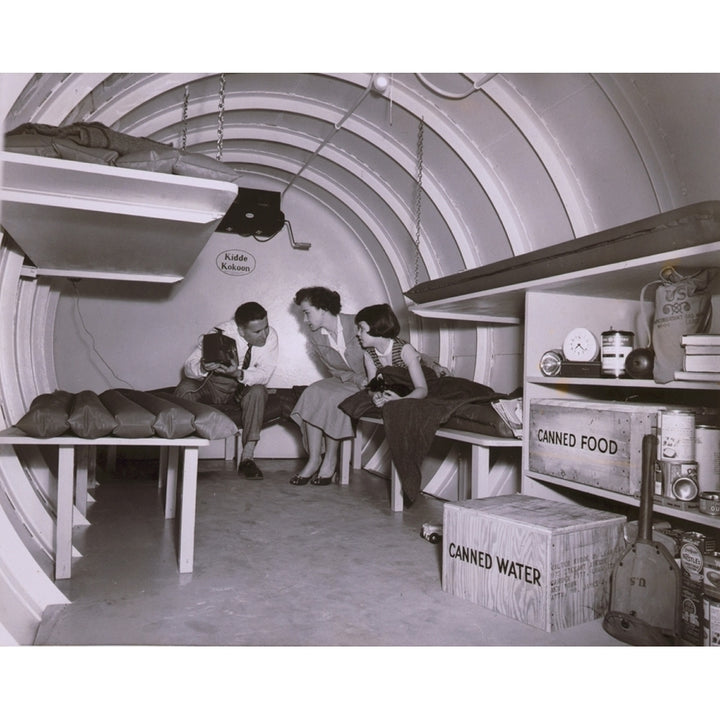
(647, 483)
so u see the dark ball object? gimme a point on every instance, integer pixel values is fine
(639, 363)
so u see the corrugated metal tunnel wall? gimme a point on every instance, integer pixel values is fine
(510, 163)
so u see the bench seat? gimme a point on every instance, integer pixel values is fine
(76, 463)
(478, 470)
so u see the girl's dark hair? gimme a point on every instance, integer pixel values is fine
(381, 320)
(249, 311)
(319, 297)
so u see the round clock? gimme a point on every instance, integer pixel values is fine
(580, 345)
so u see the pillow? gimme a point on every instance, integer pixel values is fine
(209, 422)
(359, 405)
(202, 166)
(95, 134)
(171, 420)
(30, 145)
(153, 160)
(89, 418)
(480, 417)
(47, 415)
(133, 420)
(70, 150)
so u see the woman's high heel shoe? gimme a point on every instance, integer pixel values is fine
(319, 480)
(303, 480)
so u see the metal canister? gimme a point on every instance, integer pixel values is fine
(676, 435)
(692, 549)
(616, 346)
(711, 573)
(711, 621)
(709, 503)
(677, 480)
(707, 454)
(711, 599)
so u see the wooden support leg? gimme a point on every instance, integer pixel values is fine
(171, 478)
(479, 471)
(64, 518)
(357, 445)
(81, 478)
(92, 469)
(110, 459)
(230, 447)
(162, 468)
(463, 472)
(187, 510)
(345, 459)
(396, 497)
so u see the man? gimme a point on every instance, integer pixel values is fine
(242, 379)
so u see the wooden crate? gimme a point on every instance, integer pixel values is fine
(545, 563)
(598, 444)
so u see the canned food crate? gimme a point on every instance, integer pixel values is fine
(591, 443)
(545, 563)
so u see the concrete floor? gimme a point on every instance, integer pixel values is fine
(275, 565)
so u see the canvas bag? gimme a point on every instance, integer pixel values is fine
(683, 305)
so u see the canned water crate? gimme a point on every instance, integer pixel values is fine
(545, 563)
(591, 443)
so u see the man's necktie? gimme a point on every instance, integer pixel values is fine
(246, 359)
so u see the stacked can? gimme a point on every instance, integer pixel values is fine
(711, 599)
(707, 455)
(694, 546)
(676, 455)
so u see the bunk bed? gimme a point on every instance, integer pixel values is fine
(86, 201)
(496, 292)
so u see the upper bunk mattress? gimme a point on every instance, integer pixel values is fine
(677, 229)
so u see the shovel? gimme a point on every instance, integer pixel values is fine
(645, 584)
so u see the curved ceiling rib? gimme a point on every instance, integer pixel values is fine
(485, 153)
(166, 115)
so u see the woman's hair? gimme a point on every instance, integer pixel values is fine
(319, 297)
(381, 320)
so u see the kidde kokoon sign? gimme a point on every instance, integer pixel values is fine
(235, 262)
(598, 444)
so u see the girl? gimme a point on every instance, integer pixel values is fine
(377, 330)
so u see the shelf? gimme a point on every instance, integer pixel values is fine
(694, 516)
(618, 383)
(621, 280)
(610, 263)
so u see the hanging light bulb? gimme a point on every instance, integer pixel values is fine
(380, 83)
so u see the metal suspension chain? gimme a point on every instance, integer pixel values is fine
(183, 144)
(221, 118)
(418, 195)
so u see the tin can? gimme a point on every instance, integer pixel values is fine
(709, 503)
(711, 621)
(616, 346)
(707, 454)
(692, 549)
(676, 435)
(679, 480)
(711, 573)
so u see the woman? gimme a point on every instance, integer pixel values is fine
(322, 423)
(377, 331)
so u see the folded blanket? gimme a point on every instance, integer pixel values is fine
(411, 424)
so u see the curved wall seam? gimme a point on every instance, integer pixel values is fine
(659, 166)
(25, 588)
